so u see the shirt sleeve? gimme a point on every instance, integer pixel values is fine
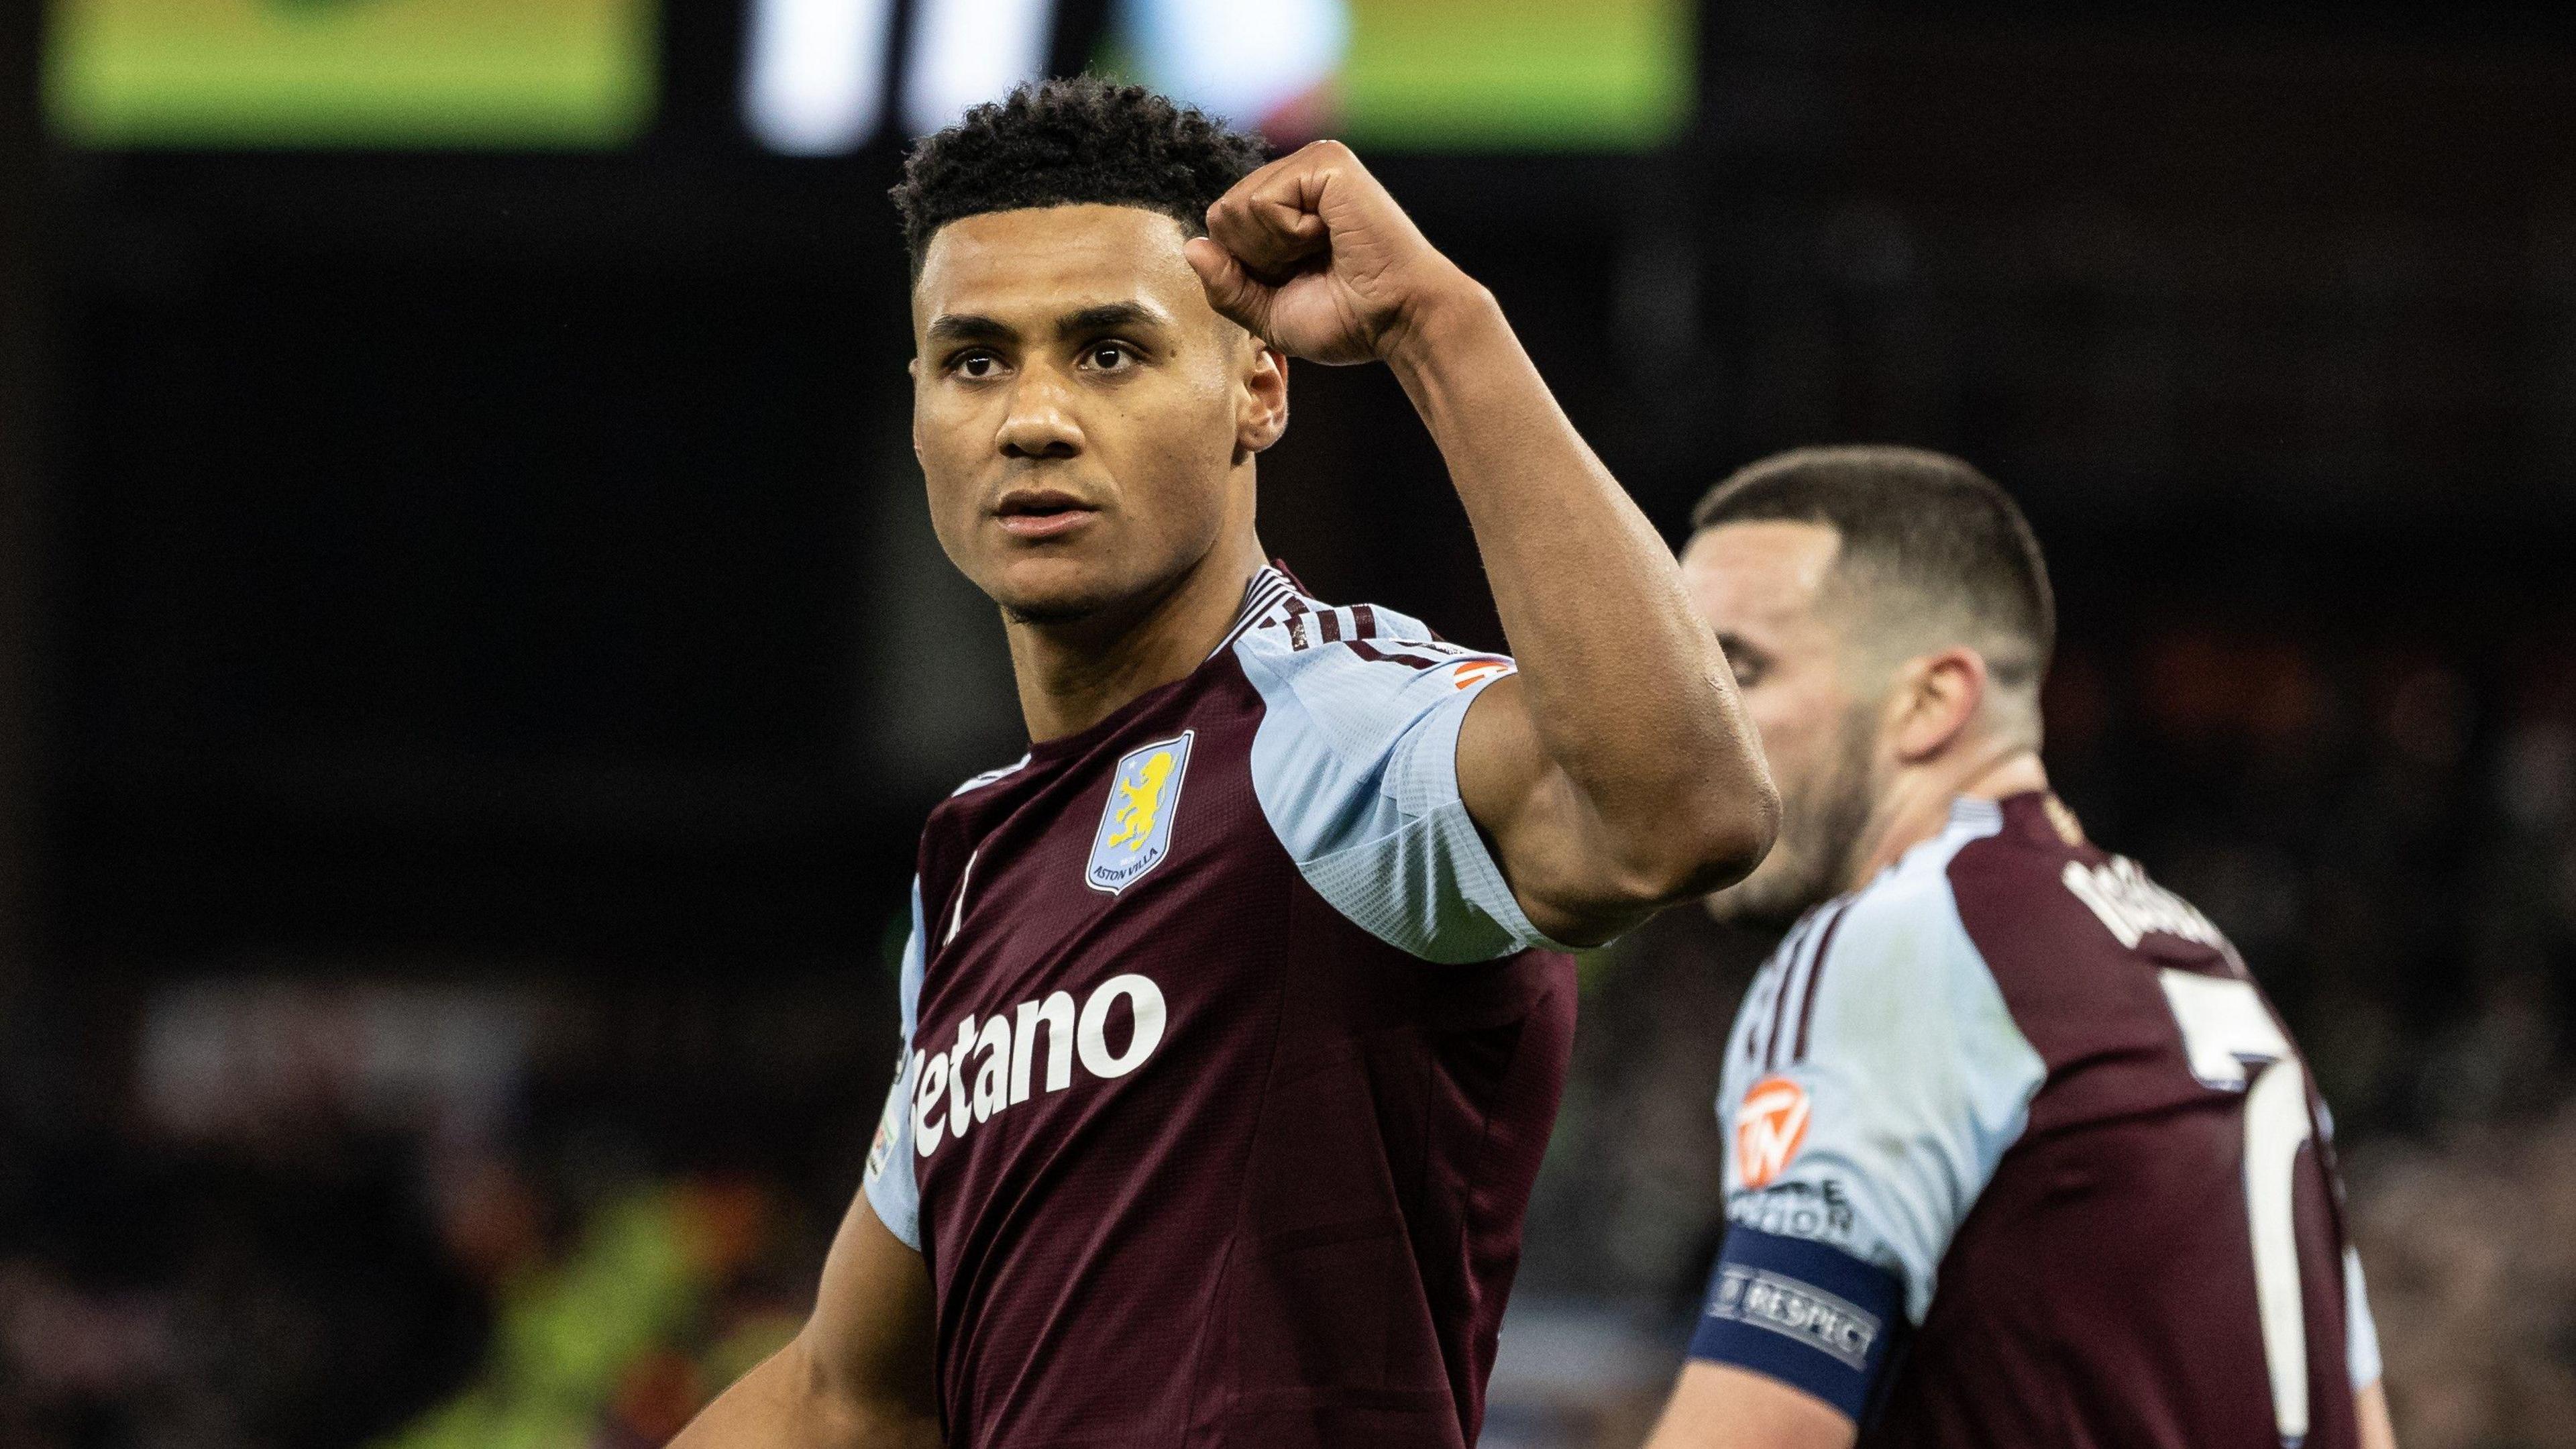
(1355, 765)
(894, 1194)
(2361, 1331)
(1874, 1079)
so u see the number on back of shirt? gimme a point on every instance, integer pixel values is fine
(2235, 1045)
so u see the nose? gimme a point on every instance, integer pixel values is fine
(1038, 424)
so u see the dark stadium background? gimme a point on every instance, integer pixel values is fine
(473, 662)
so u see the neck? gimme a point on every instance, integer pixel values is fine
(1075, 673)
(1918, 806)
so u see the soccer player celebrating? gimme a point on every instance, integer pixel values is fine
(1233, 1024)
(2020, 1155)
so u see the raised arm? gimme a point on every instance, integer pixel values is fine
(1616, 772)
(857, 1376)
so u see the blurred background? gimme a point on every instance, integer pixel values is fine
(473, 660)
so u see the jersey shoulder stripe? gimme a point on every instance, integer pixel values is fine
(1879, 1019)
(1355, 767)
(1791, 1002)
(1267, 590)
(990, 777)
(1264, 593)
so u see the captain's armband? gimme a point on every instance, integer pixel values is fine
(1811, 1316)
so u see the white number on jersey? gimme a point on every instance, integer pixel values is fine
(2231, 1038)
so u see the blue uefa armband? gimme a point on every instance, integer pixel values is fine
(1814, 1317)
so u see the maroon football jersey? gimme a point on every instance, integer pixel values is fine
(2022, 1157)
(1229, 1059)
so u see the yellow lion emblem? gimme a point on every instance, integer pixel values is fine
(1141, 802)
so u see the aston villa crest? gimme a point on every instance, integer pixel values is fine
(1136, 824)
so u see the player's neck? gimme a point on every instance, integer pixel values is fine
(1073, 675)
(1917, 806)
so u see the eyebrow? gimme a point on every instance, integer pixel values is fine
(967, 327)
(1109, 316)
(951, 327)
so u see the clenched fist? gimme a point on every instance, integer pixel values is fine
(1314, 257)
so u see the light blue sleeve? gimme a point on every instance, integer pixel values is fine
(893, 1193)
(1355, 764)
(1888, 1077)
(2361, 1330)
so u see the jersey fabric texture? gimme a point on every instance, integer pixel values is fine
(2021, 1157)
(1229, 1059)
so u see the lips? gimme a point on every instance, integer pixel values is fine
(1041, 513)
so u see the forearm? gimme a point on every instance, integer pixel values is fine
(1720, 1406)
(1618, 773)
(786, 1403)
(1625, 687)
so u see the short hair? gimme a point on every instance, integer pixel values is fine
(1066, 142)
(1924, 522)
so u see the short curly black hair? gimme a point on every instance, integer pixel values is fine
(1062, 142)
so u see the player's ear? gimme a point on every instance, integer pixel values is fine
(1937, 695)
(1261, 398)
(912, 370)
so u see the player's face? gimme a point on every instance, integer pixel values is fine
(1762, 587)
(1078, 408)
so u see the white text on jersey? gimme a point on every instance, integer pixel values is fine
(2132, 905)
(989, 1067)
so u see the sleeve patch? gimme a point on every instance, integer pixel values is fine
(1355, 766)
(893, 1191)
(1901, 1081)
(1811, 1316)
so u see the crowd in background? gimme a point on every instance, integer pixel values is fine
(564, 1216)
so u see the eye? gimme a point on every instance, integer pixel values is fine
(1110, 357)
(975, 364)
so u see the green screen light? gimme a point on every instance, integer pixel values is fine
(391, 73)
(1519, 74)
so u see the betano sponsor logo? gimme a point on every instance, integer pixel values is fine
(1769, 1129)
(990, 1068)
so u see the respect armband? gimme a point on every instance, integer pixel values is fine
(1811, 1316)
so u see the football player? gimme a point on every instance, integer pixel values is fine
(1235, 1015)
(2021, 1156)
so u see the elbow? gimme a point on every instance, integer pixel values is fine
(826, 1403)
(1733, 837)
(1697, 846)
(1758, 831)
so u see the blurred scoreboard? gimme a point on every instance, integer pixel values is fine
(394, 73)
(830, 77)
(1405, 74)
(1520, 74)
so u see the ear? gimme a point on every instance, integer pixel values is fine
(1936, 696)
(912, 370)
(1261, 400)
